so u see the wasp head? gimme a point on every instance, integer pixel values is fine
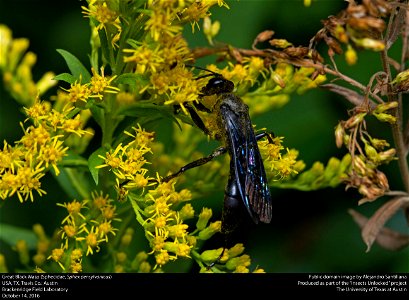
(218, 85)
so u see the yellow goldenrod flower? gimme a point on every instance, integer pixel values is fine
(141, 137)
(158, 242)
(186, 212)
(99, 200)
(74, 210)
(10, 158)
(69, 230)
(101, 13)
(53, 153)
(145, 58)
(22, 183)
(78, 92)
(160, 23)
(22, 250)
(91, 240)
(100, 84)
(108, 212)
(161, 258)
(104, 229)
(204, 218)
(38, 111)
(57, 255)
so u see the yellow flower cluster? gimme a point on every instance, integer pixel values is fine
(145, 54)
(279, 165)
(16, 65)
(159, 54)
(87, 225)
(94, 89)
(41, 147)
(127, 161)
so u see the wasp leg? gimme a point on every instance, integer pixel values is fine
(269, 136)
(217, 260)
(196, 163)
(198, 121)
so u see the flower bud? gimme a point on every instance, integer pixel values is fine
(209, 231)
(383, 117)
(280, 43)
(162, 258)
(371, 152)
(350, 55)
(340, 34)
(22, 250)
(387, 156)
(3, 266)
(339, 135)
(138, 260)
(402, 76)
(18, 47)
(259, 270)
(371, 44)
(236, 250)
(144, 267)
(345, 164)
(210, 30)
(204, 218)
(235, 262)
(264, 36)
(385, 106)
(39, 231)
(121, 257)
(5, 41)
(359, 165)
(382, 180)
(39, 259)
(191, 240)
(331, 170)
(355, 120)
(379, 144)
(277, 79)
(242, 269)
(210, 256)
(187, 212)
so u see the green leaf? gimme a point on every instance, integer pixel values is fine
(76, 67)
(147, 112)
(132, 79)
(74, 182)
(65, 77)
(94, 160)
(105, 45)
(10, 234)
(73, 160)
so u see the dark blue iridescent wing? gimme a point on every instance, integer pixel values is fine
(247, 162)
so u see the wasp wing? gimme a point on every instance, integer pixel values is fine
(246, 159)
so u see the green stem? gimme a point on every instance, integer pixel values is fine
(109, 120)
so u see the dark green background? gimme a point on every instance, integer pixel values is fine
(310, 231)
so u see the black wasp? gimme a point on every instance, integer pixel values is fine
(247, 183)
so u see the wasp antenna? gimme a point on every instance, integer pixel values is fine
(203, 69)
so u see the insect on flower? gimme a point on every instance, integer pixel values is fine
(247, 183)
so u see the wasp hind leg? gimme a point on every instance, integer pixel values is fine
(201, 161)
